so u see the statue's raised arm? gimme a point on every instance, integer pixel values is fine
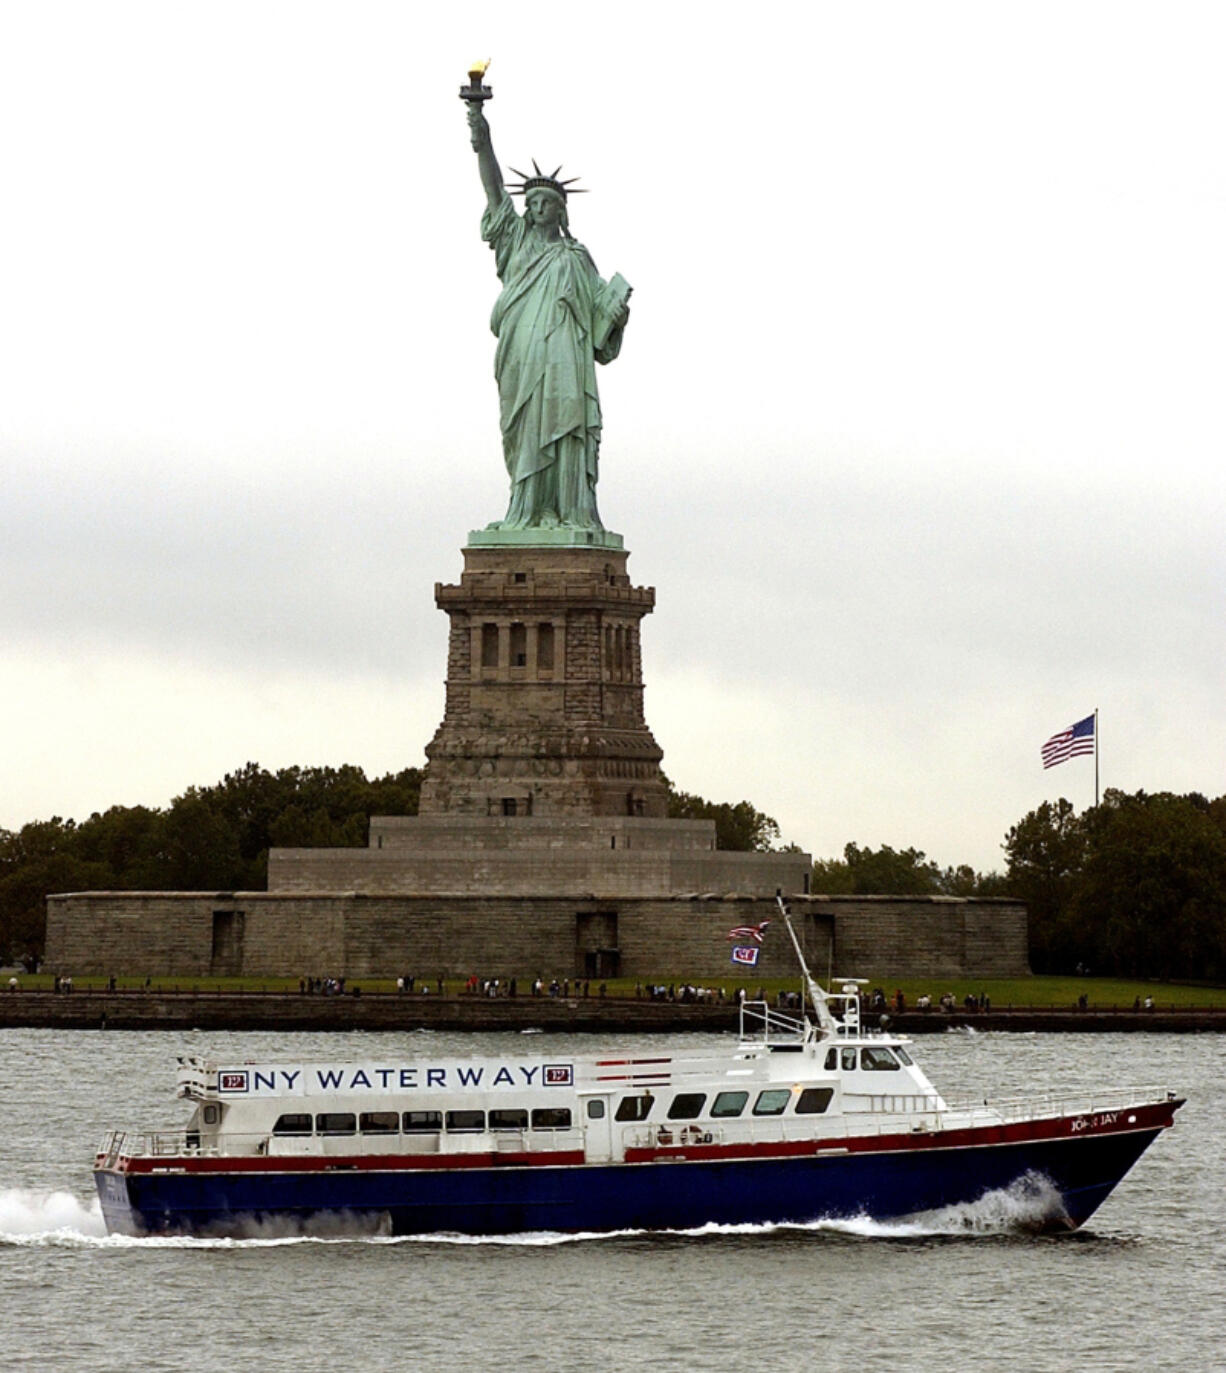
(487, 163)
(555, 319)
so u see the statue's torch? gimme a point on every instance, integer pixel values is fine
(475, 91)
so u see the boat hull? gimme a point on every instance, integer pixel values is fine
(882, 1179)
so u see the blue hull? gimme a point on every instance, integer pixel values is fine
(679, 1195)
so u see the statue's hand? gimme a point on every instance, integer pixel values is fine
(479, 127)
(620, 318)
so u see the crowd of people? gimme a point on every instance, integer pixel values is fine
(321, 986)
(686, 992)
(878, 1002)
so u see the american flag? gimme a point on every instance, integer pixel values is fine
(1078, 738)
(754, 932)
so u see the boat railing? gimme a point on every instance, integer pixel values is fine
(884, 1114)
(1042, 1105)
(762, 1023)
(170, 1144)
(162, 1144)
(111, 1148)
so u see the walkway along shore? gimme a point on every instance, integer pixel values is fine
(148, 1010)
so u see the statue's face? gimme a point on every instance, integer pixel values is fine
(544, 209)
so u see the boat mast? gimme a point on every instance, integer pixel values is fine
(819, 998)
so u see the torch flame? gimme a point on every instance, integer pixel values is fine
(477, 70)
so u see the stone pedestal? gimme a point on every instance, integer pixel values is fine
(544, 705)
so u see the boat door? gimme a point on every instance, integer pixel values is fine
(597, 1128)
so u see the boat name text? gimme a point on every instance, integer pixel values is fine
(277, 1081)
(1095, 1122)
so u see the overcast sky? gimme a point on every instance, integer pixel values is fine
(917, 429)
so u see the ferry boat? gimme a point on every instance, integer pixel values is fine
(809, 1115)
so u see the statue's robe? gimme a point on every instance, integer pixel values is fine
(553, 323)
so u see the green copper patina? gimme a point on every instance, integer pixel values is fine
(554, 320)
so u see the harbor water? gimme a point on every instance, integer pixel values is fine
(1141, 1286)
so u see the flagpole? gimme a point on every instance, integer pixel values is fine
(1096, 757)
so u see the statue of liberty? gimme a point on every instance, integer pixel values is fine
(554, 320)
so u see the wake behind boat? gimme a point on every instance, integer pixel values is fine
(807, 1117)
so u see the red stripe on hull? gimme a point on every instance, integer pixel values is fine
(338, 1163)
(1158, 1115)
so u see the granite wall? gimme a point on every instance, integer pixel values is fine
(675, 938)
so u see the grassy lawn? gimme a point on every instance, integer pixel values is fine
(1102, 993)
(1052, 992)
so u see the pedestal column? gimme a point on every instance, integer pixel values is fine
(544, 703)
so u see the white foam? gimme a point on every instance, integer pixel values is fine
(31, 1217)
(27, 1214)
(1027, 1205)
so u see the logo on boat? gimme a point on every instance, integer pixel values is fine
(232, 1082)
(559, 1075)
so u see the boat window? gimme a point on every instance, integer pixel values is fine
(595, 1110)
(904, 1056)
(379, 1122)
(772, 1101)
(832, 1060)
(878, 1060)
(729, 1103)
(509, 1119)
(687, 1106)
(336, 1123)
(465, 1120)
(551, 1118)
(211, 1113)
(849, 1060)
(292, 1125)
(634, 1107)
(421, 1122)
(813, 1101)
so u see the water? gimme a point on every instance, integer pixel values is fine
(1140, 1287)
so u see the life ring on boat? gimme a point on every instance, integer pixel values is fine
(692, 1134)
(664, 1135)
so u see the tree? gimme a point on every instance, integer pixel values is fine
(738, 826)
(1045, 851)
(38, 859)
(1135, 886)
(212, 838)
(129, 843)
(832, 877)
(200, 848)
(1152, 887)
(888, 873)
(906, 872)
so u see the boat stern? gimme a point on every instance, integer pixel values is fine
(117, 1209)
(111, 1180)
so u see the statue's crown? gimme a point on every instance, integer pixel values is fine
(550, 183)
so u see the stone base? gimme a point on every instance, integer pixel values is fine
(682, 939)
(544, 538)
(544, 706)
(598, 857)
